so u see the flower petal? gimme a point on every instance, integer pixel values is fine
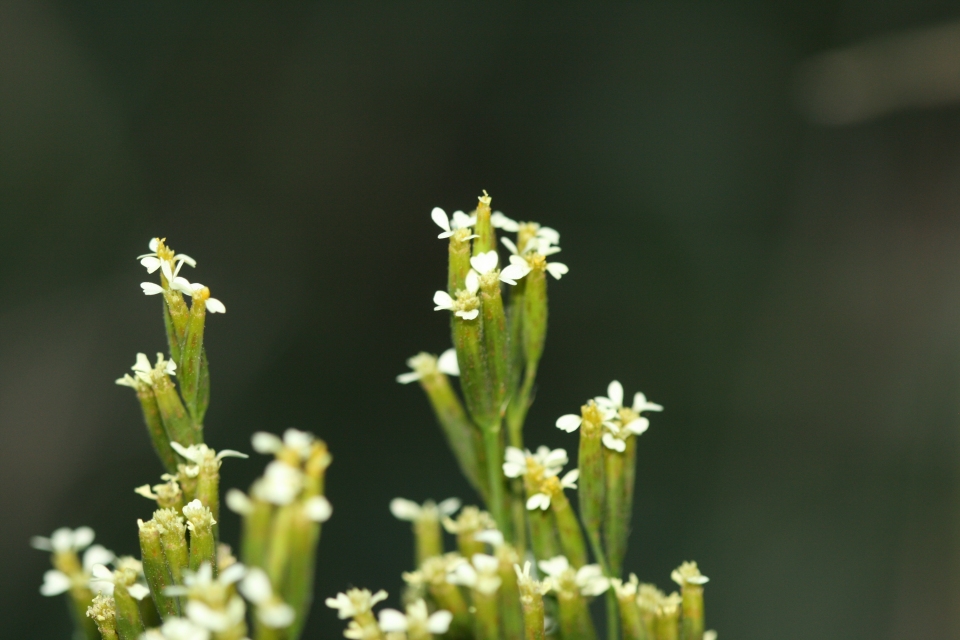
(447, 363)
(54, 583)
(500, 221)
(408, 377)
(215, 306)
(557, 269)
(443, 301)
(439, 622)
(392, 620)
(638, 426)
(151, 288)
(612, 442)
(511, 247)
(318, 509)
(469, 315)
(266, 443)
(255, 586)
(472, 281)
(569, 423)
(138, 591)
(449, 506)
(615, 393)
(439, 217)
(403, 509)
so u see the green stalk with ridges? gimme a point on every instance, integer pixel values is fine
(191, 352)
(179, 426)
(129, 624)
(155, 428)
(155, 569)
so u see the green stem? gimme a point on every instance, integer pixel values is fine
(179, 426)
(616, 525)
(486, 617)
(129, 624)
(297, 590)
(532, 604)
(191, 350)
(494, 454)
(510, 611)
(568, 528)
(155, 570)
(256, 534)
(155, 428)
(692, 620)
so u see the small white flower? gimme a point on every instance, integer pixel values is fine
(64, 540)
(588, 579)
(481, 573)
(416, 620)
(403, 509)
(515, 461)
(613, 402)
(354, 602)
(103, 580)
(688, 573)
(466, 303)
(198, 453)
(517, 269)
(460, 221)
(610, 441)
(492, 537)
(500, 221)
(279, 485)
(190, 289)
(484, 263)
(318, 509)
(538, 501)
(300, 442)
(55, 582)
(152, 262)
(426, 364)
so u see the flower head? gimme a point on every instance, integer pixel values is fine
(500, 221)
(271, 610)
(588, 580)
(127, 574)
(545, 461)
(355, 602)
(403, 509)
(424, 365)
(460, 221)
(417, 620)
(280, 483)
(64, 540)
(688, 573)
(480, 573)
(466, 305)
(300, 443)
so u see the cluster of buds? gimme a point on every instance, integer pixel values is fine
(187, 585)
(282, 517)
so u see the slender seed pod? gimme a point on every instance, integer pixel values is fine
(155, 569)
(486, 236)
(155, 428)
(191, 351)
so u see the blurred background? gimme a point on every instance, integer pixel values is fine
(759, 204)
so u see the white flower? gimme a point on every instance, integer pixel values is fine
(688, 573)
(197, 583)
(64, 540)
(152, 262)
(147, 374)
(426, 364)
(55, 582)
(613, 401)
(354, 602)
(280, 483)
(217, 620)
(486, 263)
(481, 573)
(492, 537)
(177, 629)
(416, 620)
(542, 500)
(610, 441)
(466, 303)
(552, 461)
(460, 221)
(588, 579)
(192, 288)
(500, 221)
(536, 248)
(300, 442)
(271, 611)
(409, 510)
(103, 579)
(318, 509)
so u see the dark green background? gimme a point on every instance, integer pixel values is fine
(789, 292)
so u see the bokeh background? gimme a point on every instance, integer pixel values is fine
(763, 240)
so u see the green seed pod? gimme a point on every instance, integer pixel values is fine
(487, 239)
(155, 428)
(155, 569)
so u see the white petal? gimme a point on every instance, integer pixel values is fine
(443, 301)
(492, 537)
(638, 426)
(569, 480)
(511, 247)
(439, 622)
(550, 235)
(439, 217)
(569, 423)
(318, 509)
(403, 509)
(469, 315)
(462, 220)
(640, 404)
(151, 288)
(153, 244)
(204, 616)
(615, 393)
(554, 566)
(152, 263)
(513, 272)
(277, 615)
(255, 586)
(514, 470)
(449, 506)
(82, 537)
(447, 363)
(516, 456)
(485, 262)
(62, 539)
(408, 377)
(500, 221)
(557, 269)
(215, 306)
(555, 458)
(54, 583)
(97, 554)
(485, 563)
(232, 574)
(101, 572)
(182, 284)
(613, 442)
(182, 257)
(230, 453)
(266, 443)
(165, 269)
(392, 620)
(41, 543)
(138, 591)
(472, 281)
(538, 501)
(238, 502)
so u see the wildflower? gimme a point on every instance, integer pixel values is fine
(460, 221)
(480, 573)
(403, 509)
(614, 401)
(299, 442)
(144, 374)
(588, 580)
(669, 605)
(626, 589)
(355, 602)
(64, 540)
(200, 453)
(197, 291)
(128, 571)
(518, 463)
(280, 483)
(542, 500)
(271, 611)
(426, 364)
(466, 304)
(152, 261)
(527, 583)
(688, 573)
(212, 604)
(417, 621)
